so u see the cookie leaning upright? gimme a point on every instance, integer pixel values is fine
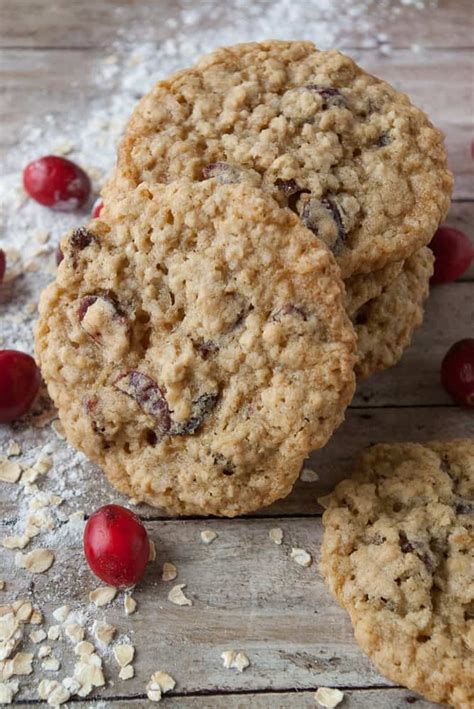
(193, 349)
(398, 553)
(363, 168)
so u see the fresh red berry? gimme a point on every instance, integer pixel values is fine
(57, 183)
(3, 264)
(20, 380)
(457, 372)
(116, 546)
(453, 254)
(97, 208)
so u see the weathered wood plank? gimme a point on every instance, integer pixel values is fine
(247, 594)
(387, 698)
(25, 23)
(55, 82)
(84, 486)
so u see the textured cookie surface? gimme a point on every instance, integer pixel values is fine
(385, 324)
(193, 349)
(398, 553)
(363, 168)
(363, 287)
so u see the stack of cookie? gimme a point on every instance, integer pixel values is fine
(263, 239)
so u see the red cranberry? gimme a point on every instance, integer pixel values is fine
(116, 546)
(97, 208)
(57, 183)
(3, 264)
(19, 383)
(457, 372)
(453, 254)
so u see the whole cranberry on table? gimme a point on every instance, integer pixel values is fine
(116, 546)
(20, 381)
(457, 372)
(453, 253)
(57, 183)
(3, 264)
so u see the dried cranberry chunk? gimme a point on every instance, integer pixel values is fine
(315, 213)
(330, 95)
(201, 408)
(288, 309)
(149, 397)
(288, 187)
(82, 238)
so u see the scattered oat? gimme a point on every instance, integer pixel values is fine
(9, 470)
(51, 664)
(301, 557)
(103, 595)
(124, 654)
(152, 551)
(58, 696)
(46, 687)
(74, 632)
(88, 671)
(103, 632)
(127, 672)
(58, 429)
(71, 684)
(36, 617)
(2, 585)
(177, 596)
(43, 464)
(84, 648)
(21, 663)
(327, 697)
(44, 651)
(208, 536)
(54, 632)
(37, 561)
(8, 691)
(235, 660)
(130, 605)
(276, 535)
(16, 542)
(169, 571)
(324, 501)
(13, 448)
(61, 614)
(160, 682)
(41, 236)
(309, 476)
(77, 516)
(23, 610)
(37, 636)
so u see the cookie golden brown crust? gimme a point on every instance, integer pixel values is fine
(197, 346)
(398, 554)
(364, 169)
(385, 324)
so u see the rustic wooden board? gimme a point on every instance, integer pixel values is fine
(68, 25)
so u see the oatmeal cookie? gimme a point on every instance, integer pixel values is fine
(197, 346)
(363, 168)
(398, 554)
(366, 286)
(385, 324)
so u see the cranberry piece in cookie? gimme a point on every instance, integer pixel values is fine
(116, 546)
(57, 183)
(19, 384)
(3, 264)
(97, 208)
(453, 252)
(149, 397)
(457, 372)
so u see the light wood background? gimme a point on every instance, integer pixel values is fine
(246, 593)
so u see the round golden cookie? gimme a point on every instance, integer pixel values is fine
(385, 324)
(363, 287)
(363, 168)
(193, 349)
(398, 554)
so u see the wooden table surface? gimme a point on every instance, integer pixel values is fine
(247, 594)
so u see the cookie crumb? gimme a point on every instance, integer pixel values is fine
(208, 536)
(235, 660)
(301, 557)
(177, 596)
(102, 595)
(276, 535)
(327, 697)
(169, 571)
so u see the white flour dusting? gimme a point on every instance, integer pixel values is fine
(29, 234)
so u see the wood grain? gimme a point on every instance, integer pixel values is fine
(98, 23)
